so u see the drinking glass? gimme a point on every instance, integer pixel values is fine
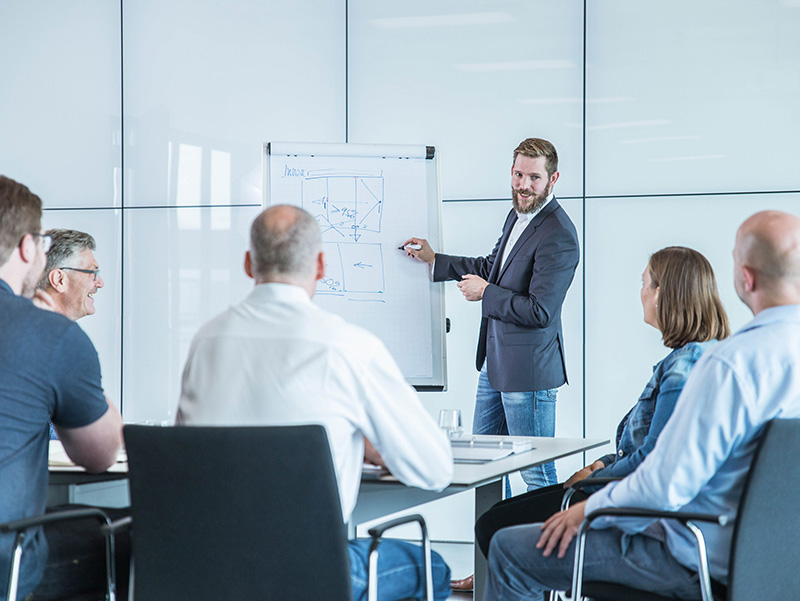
(450, 421)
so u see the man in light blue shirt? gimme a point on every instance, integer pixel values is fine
(703, 454)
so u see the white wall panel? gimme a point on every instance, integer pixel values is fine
(182, 267)
(473, 78)
(60, 99)
(687, 97)
(620, 237)
(104, 327)
(206, 83)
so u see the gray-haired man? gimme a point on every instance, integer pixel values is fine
(276, 358)
(71, 277)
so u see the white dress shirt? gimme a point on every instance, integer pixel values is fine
(523, 219)
(278, 359)
(703, 454)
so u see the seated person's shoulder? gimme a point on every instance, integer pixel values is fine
(41, 319)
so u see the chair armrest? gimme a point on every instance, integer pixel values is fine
(21, 526)
(686, 518)
(376, 532)
(636, 512)
(57, 516)
(581, 484)
(120, 525)
(595, 481)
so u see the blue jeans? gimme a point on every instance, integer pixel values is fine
(400, 574)
(518, 570)
(517, 414)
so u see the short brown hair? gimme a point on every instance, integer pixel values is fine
(537, 147)
(689, 309)
(20, 214)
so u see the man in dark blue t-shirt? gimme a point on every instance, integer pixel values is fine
(49, 370)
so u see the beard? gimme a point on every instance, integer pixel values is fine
(532, 203)
(31, 279)
(29, 285)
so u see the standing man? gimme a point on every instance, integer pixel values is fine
(72, 276)
(521, 286)
(48, 370)
(702, 457)
(276, 358)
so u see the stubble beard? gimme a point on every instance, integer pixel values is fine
(29, 285)
(532, 204)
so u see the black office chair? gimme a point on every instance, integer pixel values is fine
(766, 539)
(66, 591)
(238, 513)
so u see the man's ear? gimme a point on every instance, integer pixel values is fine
(748, 278)
(248, 265)
(553, 179)
(320, 266)
(27, 249)
(57, 280)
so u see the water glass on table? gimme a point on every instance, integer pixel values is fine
(450, 421)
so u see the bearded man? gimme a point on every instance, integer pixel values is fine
(521, 286)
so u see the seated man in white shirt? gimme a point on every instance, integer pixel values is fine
(702, 457)
(277, 358)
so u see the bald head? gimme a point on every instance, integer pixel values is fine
(768, 251)
(285, 243)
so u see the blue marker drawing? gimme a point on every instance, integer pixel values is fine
(352, 268)
(347, 204)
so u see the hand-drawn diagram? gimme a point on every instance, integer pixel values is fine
(352, 268)
(349, 208)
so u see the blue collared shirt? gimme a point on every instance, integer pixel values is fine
(702, 457)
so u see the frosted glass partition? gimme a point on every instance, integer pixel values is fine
(206, 83)
(687, 97)
(60, 100)
(620, 348)
(569, 416)
(188, 268)
(104, 326)
(471, 78)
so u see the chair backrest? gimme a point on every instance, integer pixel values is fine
(235, 513)
(766, 543)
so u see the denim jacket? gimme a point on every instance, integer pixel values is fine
(639, 429)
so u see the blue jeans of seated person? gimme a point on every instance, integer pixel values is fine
(517, 414)
(518, 570)
(400, 574)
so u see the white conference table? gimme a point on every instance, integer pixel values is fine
(383, 496)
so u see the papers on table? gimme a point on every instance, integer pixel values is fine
(373, 472)
(478, 448)
(476, 455)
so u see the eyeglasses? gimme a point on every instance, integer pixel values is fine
(47, 240)
(94, 272)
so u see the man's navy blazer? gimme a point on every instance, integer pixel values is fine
(521, 337)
